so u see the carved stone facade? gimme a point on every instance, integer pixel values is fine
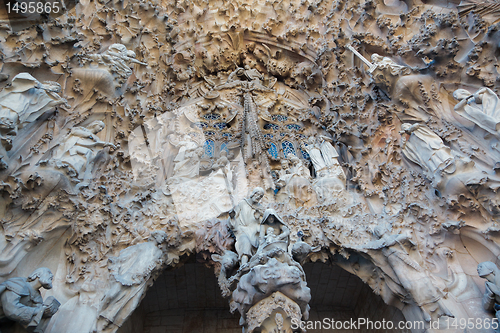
(255, 139)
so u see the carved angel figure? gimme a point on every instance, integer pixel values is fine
(400, 267)
(118, 58)
(130, 272)
(425, 148)
(386, 72)
(79, 149)
(25, 100)
(21, 301)
(482, 108)
(187, 160)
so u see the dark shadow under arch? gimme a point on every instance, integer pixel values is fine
(188, 300)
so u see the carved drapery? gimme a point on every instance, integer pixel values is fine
(183, 140)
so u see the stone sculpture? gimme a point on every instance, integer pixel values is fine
(298, 168)
(491, 298)
(22, 303)
(295, 181)
(228, 261)
(284, 175)
(330, 176)
(398, 82)
(262, 281)
(118, 59)
(482, 108)
(245, 224)
(130, 274)
(249, 86)
(324, 158)
(270, 273)
(22, 103)
(272, 229)
(301, 250)
(384, 70)
(187, 162)
(25, 100)
(452, 174)
(386, 64)
(257, 81)
(405, 271)
(425, 148)
(79, 148)
(314, 151)
(328, 152)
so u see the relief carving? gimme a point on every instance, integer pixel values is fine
(266, 268)
(482, 108)
(406, 272)
(142, 119)
(22, 303)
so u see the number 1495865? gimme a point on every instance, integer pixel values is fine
(472, 323)
(32, 7)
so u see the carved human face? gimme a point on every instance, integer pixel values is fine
(405, 126)
(96, 127)
(257, 196)
(484, 271)
(46, 280)
(131, 54)
(379, 231)
(159, 236)
(376, 57)
(460, 94)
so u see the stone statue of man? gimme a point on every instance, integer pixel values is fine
(21, 302)
(491, 299)
(245, 224)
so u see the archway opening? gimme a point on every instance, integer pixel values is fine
(183, 299)
(188, 299)
(339, 296)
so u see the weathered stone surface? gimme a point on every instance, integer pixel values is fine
(131, 125)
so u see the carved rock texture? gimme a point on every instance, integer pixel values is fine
(142, 116)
